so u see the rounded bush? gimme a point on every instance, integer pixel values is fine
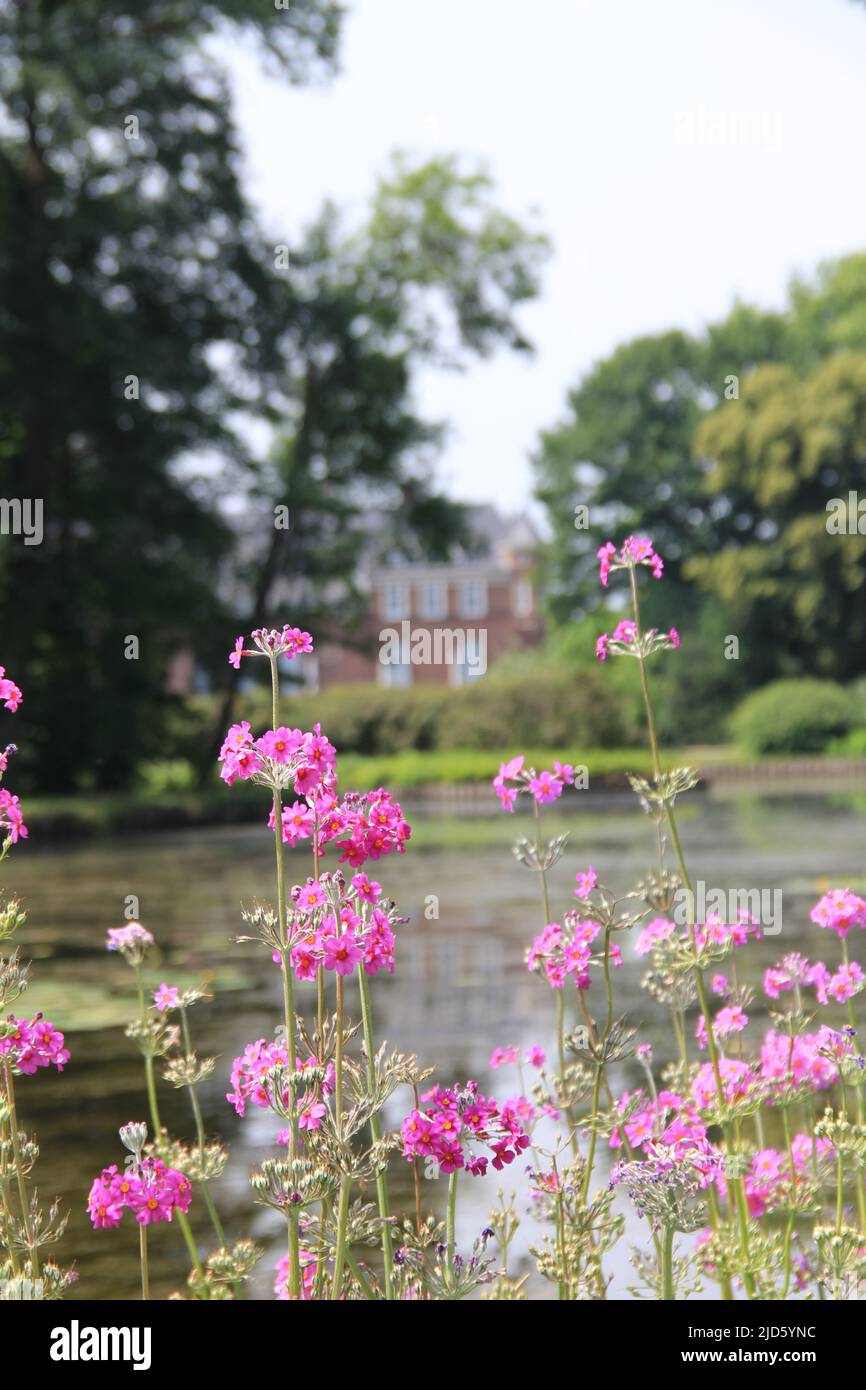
(793, 716)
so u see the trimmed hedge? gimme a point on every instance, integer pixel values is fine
(553, 708)
(793, 716)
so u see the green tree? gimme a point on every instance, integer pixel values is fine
(632, 448)
(433, 276)
(138, 309)
(794, 580)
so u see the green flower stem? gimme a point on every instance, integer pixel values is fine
(288, 991)
(4, 1195)
(451, 1219)
(342, 1222)
(19, 1170)
(858, 1092)
(360, 1276)
(346, 1181)
(376, 1133)
(738, 1188)
(145, 1276)
(213, 1213)
(153, 1104)
(668, 1292)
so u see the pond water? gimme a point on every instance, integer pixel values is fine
(461, 986)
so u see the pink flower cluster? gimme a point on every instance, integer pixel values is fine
(545, 787)
(839, 910)
(768, 1181)
(636, 550)
(560, 951)
(149, 1189)
(795, 970)
(712, 932)
(456, 1128)
(364, 825)
(809, 1062)
(311, 755)
(510, 1057)
(132, 941)
(728, 1021)
(12, 825)
(12, 817)
(249, 1081)
(10, 695)
(357, 931)
(32, 1043)
(288, 642)
(624, 635)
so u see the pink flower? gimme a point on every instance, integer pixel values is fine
(586, 881)
(311, 896)
(341, 953)
(132, 941)
(535, 1057)
(280, 744)
(720, 985)
(545, 788)
(10, 695)
(605, 555)
(674, 637)
(368, 890)
(311, 1114)
(504, 1056)
(238, 737)
(840, 909)
(636, 550)
(12, 817)
(166, 997)
(656, 931)
(32, 1043)
(297, 822)
(626, 631)
(601, 646)
(235, 656)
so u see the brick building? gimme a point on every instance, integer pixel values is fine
(446, 623)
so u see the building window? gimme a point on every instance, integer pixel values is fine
(474, 598)
(395, 601)
(461, 673)
(521, 598)
(397, 676)
(432, 599)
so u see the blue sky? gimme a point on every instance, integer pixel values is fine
(679, 153)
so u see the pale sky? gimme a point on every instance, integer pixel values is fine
(679, 153)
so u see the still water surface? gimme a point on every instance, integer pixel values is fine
(460, 988)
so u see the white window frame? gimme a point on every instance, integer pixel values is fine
(395, 600)
(473, 607)
(522, 598)
(395, 675)
(433, 599)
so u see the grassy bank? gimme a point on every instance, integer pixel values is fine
(402, 773)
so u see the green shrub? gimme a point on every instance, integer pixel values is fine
(852, 745)
(166, 775)
(793, 716)
(552, 706)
